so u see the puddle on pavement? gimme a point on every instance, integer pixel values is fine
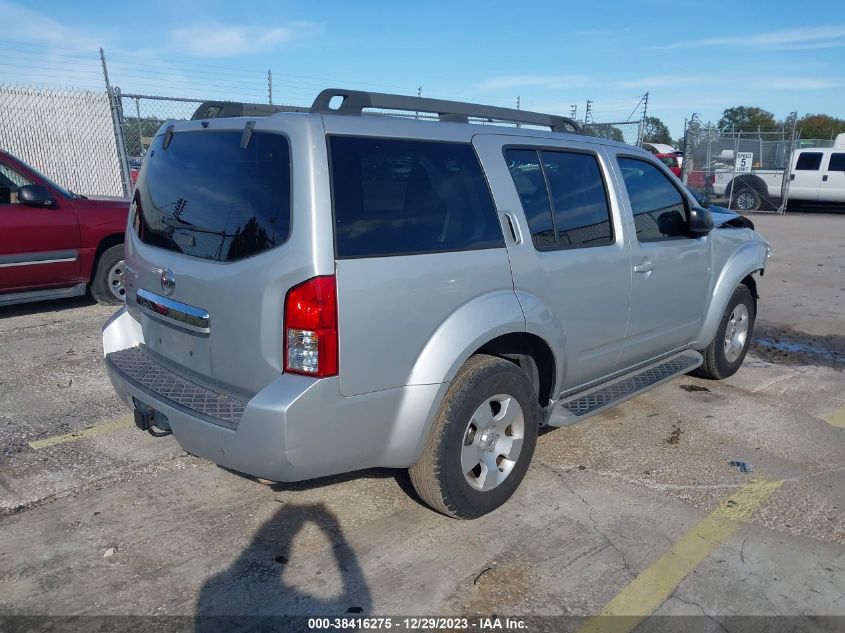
(785, 345)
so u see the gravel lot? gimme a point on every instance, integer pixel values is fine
(117, 522)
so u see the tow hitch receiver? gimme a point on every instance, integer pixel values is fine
(151, 421)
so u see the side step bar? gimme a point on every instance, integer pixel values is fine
(582, 405)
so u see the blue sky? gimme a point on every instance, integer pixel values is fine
(691, 57)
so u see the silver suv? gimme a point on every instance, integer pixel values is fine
(310, 293)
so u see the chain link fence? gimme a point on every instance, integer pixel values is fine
(740, 170)
(140, 117)
(624, 131)
(66, 134)
(95, 143)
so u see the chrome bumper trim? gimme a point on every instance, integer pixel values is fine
(186, 316)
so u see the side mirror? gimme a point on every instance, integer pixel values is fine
(700, 221)
(35, 196)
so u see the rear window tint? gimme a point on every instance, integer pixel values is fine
(206, 197)
(582, 214)
(530, 183)
(404, 197)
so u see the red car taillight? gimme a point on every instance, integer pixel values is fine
(311, 328)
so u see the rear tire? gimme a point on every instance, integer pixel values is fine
(724, 356)
(107, 284)
(481, 442)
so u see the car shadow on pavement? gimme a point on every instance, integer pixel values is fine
(254, 592)
(399, 475)
(53, 305)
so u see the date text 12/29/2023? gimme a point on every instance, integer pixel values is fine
(417, 623)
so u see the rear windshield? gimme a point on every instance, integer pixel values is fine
(206, 197)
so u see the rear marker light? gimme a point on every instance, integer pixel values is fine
(311, 328)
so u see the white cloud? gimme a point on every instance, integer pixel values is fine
(546, 82)
(215, 40)
(826, 35)
(25, 25)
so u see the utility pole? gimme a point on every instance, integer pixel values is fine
(573, 111)
(270, 86)
(589, 112)
(644, 119)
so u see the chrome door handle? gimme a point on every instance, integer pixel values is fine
(645, 267)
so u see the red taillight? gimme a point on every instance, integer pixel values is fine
(310, 337)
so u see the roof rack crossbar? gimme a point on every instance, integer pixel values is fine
(355, 101)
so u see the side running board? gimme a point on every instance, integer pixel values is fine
(582, 405)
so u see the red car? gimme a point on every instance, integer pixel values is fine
(55, 243)
(671, 161)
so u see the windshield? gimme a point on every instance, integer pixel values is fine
(206, 197)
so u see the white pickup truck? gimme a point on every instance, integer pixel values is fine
(817, 177)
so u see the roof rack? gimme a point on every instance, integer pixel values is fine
(355, 101)
(219, 109)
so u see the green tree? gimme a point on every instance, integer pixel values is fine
(747, 119)
(604, 130)
(138, 132)
(820, 126)
(655, 131)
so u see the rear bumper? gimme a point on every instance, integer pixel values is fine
(295, 428)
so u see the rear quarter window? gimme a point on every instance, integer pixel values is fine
(405, 197)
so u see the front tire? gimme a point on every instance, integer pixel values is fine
(107, 285)
(724, 356)
(481, 442)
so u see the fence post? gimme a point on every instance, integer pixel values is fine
(787, 172)
(688, 142)
(117, 123)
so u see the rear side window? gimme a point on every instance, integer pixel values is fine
(837, 162)
(530, 183)
(405, 197)
(576, 213)
(582, 215)
(206, 197)
(658, 207)
(809, 161)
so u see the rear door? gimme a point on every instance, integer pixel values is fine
(573, 256)
(672, 271)
(39, 246)
(806, 178)
(832, 188)
(417, 239)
